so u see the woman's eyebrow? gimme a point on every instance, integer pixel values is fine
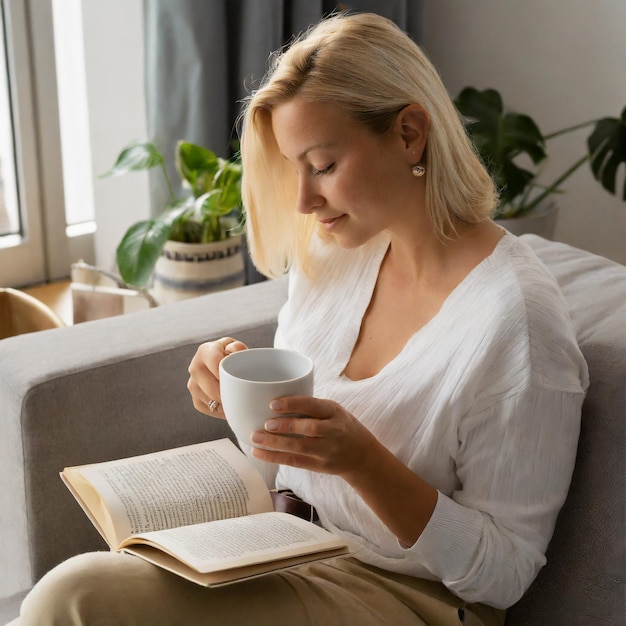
(317, 146)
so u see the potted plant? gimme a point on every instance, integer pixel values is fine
(195, 244)
(501, 137)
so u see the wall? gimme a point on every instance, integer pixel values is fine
(562, 62)
(114, 57)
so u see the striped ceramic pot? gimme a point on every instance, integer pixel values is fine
(186, 270)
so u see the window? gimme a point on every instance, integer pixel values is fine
(9, 209)
(72, 90)
(38, 236)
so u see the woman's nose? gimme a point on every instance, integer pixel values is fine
(308, 197)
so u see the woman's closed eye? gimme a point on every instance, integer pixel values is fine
(325, 170)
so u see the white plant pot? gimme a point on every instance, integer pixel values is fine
(541, 221)
(187, 270)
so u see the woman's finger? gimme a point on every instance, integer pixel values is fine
(203, 383)
(305, 405)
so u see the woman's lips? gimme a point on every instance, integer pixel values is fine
(329, 223)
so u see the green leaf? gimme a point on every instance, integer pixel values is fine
(482, 111)
(197, 166)
(607, 149)
(135, 157)
(211, 229)
(513, 181)
(228, 178)
(180, 218)
(521, 135)
(208, 204)
(500, 138)
(139, 250)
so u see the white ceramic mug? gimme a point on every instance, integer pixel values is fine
(251, 379)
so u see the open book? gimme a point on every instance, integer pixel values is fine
(202, 511)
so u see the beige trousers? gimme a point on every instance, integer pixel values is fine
(106, 588)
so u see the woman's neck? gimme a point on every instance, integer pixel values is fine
(421, 256)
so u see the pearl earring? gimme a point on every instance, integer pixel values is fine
(418, 170)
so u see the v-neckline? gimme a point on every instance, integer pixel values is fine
(365, 298)
(362, 302)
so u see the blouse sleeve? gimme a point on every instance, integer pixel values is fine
(488, 540)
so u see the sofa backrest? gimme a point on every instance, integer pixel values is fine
(583, 581)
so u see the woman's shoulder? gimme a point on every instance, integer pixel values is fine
(515, 277)
(531, 320)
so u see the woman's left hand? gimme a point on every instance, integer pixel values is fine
(328, 439)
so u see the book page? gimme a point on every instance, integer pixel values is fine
(178, 487)
(228, 576)
(230, 543)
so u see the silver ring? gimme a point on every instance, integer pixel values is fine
(213, 405)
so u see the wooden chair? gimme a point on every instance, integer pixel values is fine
(22, 313)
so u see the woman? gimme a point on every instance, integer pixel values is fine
(442, 436)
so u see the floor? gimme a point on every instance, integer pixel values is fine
(57, 296)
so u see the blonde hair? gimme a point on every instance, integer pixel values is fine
(368, 68)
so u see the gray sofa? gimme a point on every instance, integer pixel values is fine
(117, 387)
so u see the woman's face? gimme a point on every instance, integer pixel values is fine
(355, 182)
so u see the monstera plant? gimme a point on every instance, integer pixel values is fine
(210, 209)
(501, 137)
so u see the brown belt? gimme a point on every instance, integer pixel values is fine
(286, 501)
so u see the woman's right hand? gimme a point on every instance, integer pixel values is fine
(204, 374)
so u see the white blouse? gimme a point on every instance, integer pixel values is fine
(483, 403)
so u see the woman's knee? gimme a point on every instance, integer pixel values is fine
(73, 591)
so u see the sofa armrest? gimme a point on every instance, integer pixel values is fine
(101, 390)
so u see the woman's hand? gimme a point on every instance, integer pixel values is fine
(328, 439)
(333, 441)
(204, 374)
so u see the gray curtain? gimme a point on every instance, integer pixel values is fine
(204, 56)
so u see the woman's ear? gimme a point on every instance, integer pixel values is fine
(413, 123)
